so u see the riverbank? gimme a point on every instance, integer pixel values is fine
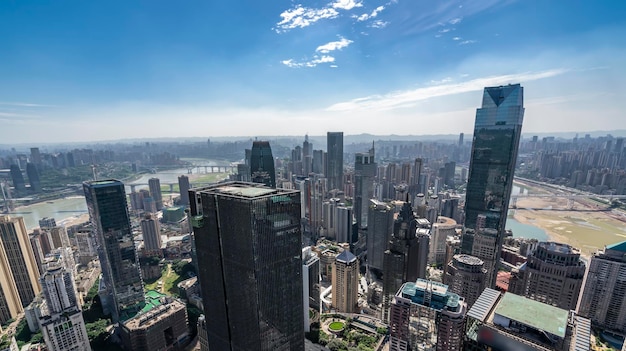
(583, 226)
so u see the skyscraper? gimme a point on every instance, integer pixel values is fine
(334, 160)
(63, 326)
(553, 275)
(364, 173)
(466, 276)
(155, 192)
(33, 177)
(183, 188)
(250, 265)
(15, 245)
(603, 296)
(497, 132)
(379, 231)
(18, 179)
(262, 164)
(307, 156)
(310, 284)
(346, 282)
(151, 231)
(108, 212)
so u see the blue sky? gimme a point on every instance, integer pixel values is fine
(83, 70)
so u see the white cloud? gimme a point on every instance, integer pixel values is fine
(346, 4)
(410, 97)
(465, 42)
(300, 17)
(333, 45)
(455, 20)
(23, 104)
(311, 63)
(445, 30)
(365, 16)
(378, 24)
(457, 38)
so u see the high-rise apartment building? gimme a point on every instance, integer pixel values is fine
(155, 192)
(10, 303)
(497, 132)
(47, 222)
(16, 247)
(334, 160)
(108, 212)
(553, 274)
(248, 243)
(307, 156)
(151, 231)
(183, 188)
(262, 164)
(603, 296)
(365, 168)
(426, 315)
(379, 231)
(466, 276)
(346, 282)
(59, 237)
(62, 324)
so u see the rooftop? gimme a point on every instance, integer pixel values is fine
(346, 257)
(534, 314)
(617, 247)
(243, 190)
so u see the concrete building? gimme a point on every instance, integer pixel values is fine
(466, 276)
(425, 315)
(161, 325)
(10, 303)
(440, 230)
(553, 275)
(183, 188)
(603, 295)
(59, 237)
(203, 339)
(497, 132)
(154, 184)
(61, 321)
(379, 231)
(248, 242)
(151, 231)
(21, 266)
(310, 284)
(121, 279)
(511, 322)
(47, 222)
(346, 283)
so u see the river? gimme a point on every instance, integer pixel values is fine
(520, 229)
(71, 206)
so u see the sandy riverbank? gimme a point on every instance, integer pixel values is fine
(582, 227)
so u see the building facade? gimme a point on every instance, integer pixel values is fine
(553, 274)
(262, 164)
(379, 231)
(183, 188)
(334, 160)
(346, 282)
(497, 132)
(151, 231)
(155, 193)
(249, 251)
(466, 276)
(364, 173)
(108, 212)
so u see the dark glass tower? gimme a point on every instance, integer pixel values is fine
(155, 192)
(250, 265)
(108, 211)
(183, 188)
(364, 173)
(497, 132)
(18, 179)
(334, 148)
(262, 164)
(33, 177)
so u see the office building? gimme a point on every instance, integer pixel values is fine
(334, 160)
(121, 279)
(603, 295)
(466, 276)
(203, 339)
(35, 156)
(307, 156)
(183, 188)
(59, 237)
(33, 177)
(61, 321)
(154, 184)
(406, 258)
(346, 283)
(553, 274)
(440, 230)
(151, 231)
(425, 315)
(511, 322)
(10, 303)
(47, 222)
(262, 164)
(379, 230)
(497, 132)
(310, 284)
(364, 173)
(248, 243)
(18, 179)
(163, 326)
(15, 245)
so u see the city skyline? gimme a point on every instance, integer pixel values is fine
(103, 72)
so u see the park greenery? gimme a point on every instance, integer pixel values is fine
(348, 337)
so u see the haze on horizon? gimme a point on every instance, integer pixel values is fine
(81, 71)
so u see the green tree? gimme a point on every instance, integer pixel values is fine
(337, 345)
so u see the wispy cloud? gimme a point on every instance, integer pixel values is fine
(455, 20)
(311, 63)
(334, 45)
(300, 17)
(466, 42)
(18, 115)
(408, 98)
(378, 24)
(456, 38)
(23, 104)
(373, 14)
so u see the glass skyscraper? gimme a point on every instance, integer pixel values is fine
(248, 242)
(334, 159)
(497, 132)
(108, 211)
(262, 164)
